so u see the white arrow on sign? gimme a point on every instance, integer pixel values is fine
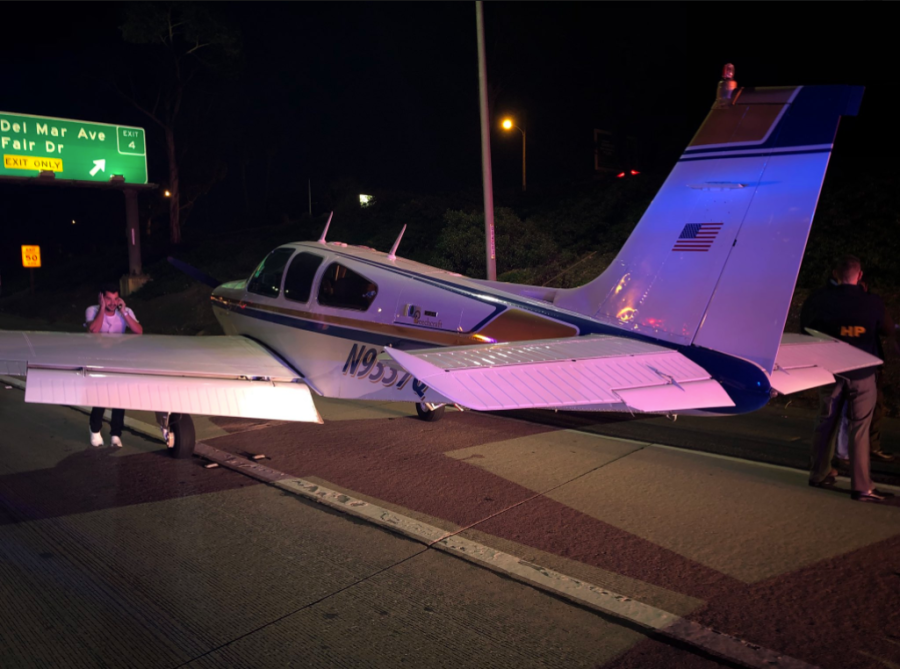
(99, 166)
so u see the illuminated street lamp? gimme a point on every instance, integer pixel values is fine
(509, 125)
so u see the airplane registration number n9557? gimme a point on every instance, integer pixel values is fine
(362, 364)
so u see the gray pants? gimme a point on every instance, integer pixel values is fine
(860, 397)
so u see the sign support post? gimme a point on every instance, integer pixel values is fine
(132, 233)
(135, 277)
(46, 150)
(31, 258)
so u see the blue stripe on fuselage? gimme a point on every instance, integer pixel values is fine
(339, 331)
(745, 383)
(737, 153)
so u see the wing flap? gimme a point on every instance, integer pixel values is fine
(556, 373)
(805, 362)
(200, 396)
(217, 376)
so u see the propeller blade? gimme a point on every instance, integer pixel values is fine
(194, 273)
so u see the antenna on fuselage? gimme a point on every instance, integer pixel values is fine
(325, 231)
(393, 254)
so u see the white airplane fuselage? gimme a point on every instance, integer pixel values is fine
(339, 350)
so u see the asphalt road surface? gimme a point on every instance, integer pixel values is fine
(130, 558)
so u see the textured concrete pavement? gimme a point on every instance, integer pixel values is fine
(741, 547)
(114, 558)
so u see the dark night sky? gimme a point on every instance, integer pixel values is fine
(387, 93)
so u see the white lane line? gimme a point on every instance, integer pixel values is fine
(575, 590)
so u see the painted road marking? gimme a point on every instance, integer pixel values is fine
(575, 590)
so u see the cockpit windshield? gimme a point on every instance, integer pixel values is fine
(266, 280)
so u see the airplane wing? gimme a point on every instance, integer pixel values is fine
(805, 362)
(218, 376)
(592, 372)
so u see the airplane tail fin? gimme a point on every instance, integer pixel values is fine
(714, 260)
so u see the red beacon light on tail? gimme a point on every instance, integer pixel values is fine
(726, 87)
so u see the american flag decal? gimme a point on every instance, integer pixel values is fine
(697, 237)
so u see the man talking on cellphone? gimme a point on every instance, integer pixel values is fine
(109, 316)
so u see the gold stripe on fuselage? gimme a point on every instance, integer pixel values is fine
(510, 325)
(519, 325)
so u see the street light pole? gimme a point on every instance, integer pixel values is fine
(485, 148)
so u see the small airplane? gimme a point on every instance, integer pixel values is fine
(688, 319)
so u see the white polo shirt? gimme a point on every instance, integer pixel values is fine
(115, 324)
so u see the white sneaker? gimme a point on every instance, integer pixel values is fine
(116, 442)
(168, 437)
(96, 439)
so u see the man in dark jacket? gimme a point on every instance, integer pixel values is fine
(847, 312)
(841, 460)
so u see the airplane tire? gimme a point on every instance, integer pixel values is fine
(429, 415)
(182, 426)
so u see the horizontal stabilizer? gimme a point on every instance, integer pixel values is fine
(805, 362)
(565, 373)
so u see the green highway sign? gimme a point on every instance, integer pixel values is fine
(77, 150)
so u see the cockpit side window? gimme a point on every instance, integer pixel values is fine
(299, 279)
(266, 280)
(345, 289)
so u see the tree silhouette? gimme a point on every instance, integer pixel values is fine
(186, 50)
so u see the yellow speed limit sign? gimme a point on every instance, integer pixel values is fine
(31, 256)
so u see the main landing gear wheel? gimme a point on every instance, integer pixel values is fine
(181, 427)
(430, 412)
